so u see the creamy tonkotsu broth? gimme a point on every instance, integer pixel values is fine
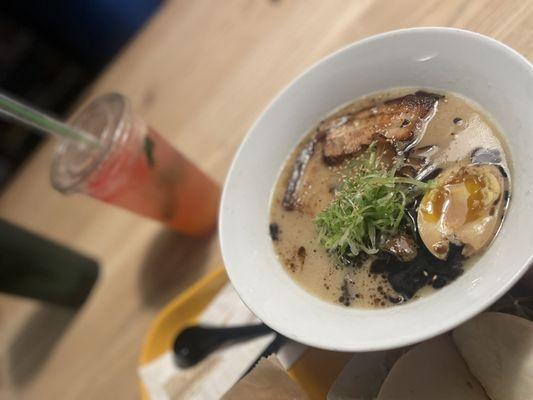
(440, 138)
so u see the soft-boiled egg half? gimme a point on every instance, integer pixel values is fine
(464, 208)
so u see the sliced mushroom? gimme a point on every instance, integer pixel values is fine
(387, 153)
(402, 246)
(465, 208)
(418, 162)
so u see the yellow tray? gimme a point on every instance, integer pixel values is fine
(314, 371)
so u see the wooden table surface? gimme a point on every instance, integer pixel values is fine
(200, 72)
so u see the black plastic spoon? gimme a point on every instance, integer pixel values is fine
(194, 343)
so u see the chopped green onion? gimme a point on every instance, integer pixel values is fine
(370, 206)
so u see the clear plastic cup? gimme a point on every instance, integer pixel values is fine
(135, 168)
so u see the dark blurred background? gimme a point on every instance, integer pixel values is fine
(50, 51)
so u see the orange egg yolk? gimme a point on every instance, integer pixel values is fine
(434, 202)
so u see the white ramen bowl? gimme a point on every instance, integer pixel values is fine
(476, 66)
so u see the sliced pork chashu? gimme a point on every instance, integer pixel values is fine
(309, 172)
(402, 120)
(290, 199)
(395, 124)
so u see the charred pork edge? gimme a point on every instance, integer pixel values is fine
(289, 198)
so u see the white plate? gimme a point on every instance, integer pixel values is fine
(480, 68)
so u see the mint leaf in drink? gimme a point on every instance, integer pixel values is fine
(149, 150)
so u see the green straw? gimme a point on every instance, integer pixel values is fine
(36, 119)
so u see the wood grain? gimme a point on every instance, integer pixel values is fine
(200, 72)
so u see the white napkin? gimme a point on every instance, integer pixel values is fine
(211, 378)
